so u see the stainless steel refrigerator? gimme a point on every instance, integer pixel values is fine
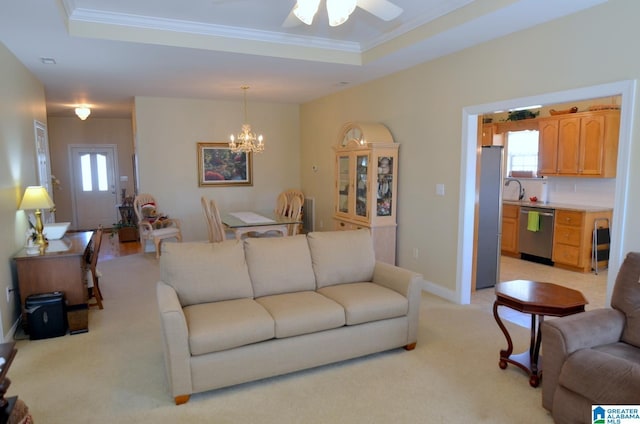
(489, 217)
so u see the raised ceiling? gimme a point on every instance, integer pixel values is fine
(108, 51)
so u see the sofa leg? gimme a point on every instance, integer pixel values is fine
(182, 399)
(411, 346)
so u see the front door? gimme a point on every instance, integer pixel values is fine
(94, 185)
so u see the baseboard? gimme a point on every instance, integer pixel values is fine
(11, 332)
(439, 291)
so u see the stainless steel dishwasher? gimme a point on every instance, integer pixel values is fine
(536, 245)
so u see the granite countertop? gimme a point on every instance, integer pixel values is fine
(553, 205)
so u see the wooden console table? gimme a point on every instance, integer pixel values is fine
(538, 299)
(60, 267)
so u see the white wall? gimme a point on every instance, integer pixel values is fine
(21, 102)
(422, 107)
(167, 133)
(64, 131)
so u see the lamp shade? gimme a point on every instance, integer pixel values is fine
(36, 197)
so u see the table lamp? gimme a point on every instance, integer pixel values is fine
(36, 198)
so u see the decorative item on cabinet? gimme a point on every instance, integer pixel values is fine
(366, 184)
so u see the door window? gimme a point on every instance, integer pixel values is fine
(93, 167)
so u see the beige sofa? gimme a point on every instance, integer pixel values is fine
(593, 358)
(238, 311)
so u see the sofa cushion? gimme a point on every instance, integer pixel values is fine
(340, 257)
(279, 265)
(206, 272)
(626, 297)
(302, 313)
(227, 324)
(365, 302)
(609, 374)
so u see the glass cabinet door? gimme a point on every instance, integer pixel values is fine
(343, 184)
(384, 195)
(362, 169)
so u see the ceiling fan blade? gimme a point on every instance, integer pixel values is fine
(383, 9)
(291, 20)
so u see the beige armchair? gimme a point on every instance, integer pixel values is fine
(593, 358)
(153, 225)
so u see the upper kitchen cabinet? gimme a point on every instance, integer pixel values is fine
(579, 144)
(366, 182)
(490, 136)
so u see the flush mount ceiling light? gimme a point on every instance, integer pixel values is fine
(246, 141)
(83, 112)
(340, 10)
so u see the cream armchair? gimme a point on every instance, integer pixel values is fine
(153, 225)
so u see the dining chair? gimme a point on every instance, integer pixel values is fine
(281, 204)
(93, 253)
(216, 228)
(153, 225)
(294, 211)
(291, 194)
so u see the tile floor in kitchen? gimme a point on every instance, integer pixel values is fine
(592, 286)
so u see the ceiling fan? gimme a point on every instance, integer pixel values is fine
(340, 10)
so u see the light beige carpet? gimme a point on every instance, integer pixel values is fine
(115, 372)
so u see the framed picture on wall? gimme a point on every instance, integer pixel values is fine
(219, 166)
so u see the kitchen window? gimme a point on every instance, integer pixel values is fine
(522, 153)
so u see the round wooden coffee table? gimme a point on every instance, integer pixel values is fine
(538, 299)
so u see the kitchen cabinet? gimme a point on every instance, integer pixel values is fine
(573, 237)
(490, 136)
(579, 144)
(366, 183)
(509, 240)
(548, 147)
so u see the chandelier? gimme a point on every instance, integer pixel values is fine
(246, 140)
(338, 10)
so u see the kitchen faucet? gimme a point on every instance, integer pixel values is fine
(507, 181)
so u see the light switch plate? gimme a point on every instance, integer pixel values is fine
(440, 189)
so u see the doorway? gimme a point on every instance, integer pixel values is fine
(94, 194)
(626, 89)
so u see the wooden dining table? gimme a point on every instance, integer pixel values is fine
(245, 222)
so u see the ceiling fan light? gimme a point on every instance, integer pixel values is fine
(305, 10)
(340, 10)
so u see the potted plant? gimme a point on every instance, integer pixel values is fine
(127, 231)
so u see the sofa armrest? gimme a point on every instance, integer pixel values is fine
(175, 337)
(563, 336)
(408, 284)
